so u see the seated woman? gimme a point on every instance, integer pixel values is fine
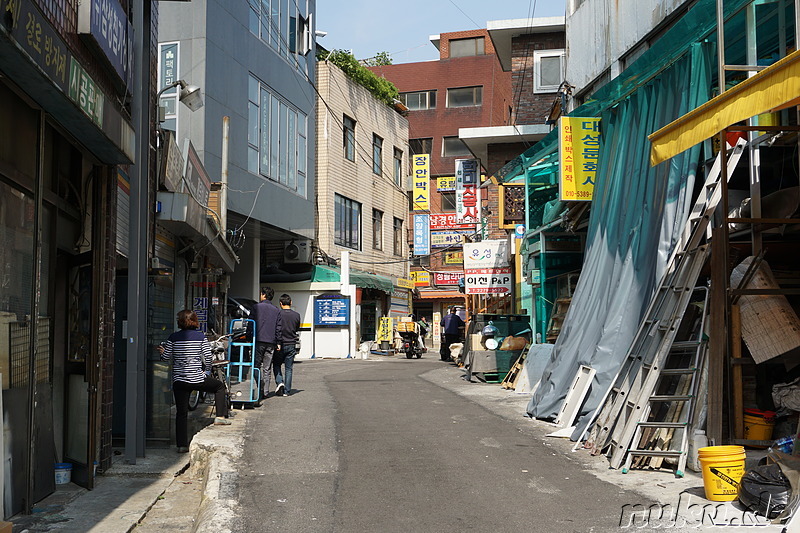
(190, 353)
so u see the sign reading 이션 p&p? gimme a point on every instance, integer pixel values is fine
(579, 153)
(421, 193)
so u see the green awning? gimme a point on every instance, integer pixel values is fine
(358, 278)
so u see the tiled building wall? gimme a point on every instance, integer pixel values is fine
(356, 179)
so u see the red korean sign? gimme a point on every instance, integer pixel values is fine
(447, 221)
(447, 278)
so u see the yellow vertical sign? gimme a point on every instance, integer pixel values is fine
(385, 329)
(579, 152)
(421, 193)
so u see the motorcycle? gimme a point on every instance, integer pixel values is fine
(411, 345)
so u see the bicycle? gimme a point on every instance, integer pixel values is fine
(217, 371)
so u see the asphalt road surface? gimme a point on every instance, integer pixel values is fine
(370, 446)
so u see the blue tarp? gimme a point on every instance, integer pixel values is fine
(637, 213)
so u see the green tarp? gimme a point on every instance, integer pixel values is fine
(357, 278)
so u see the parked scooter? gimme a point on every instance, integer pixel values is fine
(411, 344)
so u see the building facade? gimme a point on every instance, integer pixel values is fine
(465, 88)
(68, 137)
(255, 64)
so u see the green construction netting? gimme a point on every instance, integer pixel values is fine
(638, 212)
(357, 278)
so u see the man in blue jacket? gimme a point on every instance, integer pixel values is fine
(452, 330)
(268, 335)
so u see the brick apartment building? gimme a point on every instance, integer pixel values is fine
(466, 88)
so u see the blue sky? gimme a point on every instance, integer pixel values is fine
(402, 28)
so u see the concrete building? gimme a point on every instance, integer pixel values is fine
(466, 88)
(255, 65)
(362, 208)
(251, 147)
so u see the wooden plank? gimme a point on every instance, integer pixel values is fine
(736, 373)
(717, 334)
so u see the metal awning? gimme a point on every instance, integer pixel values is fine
(774, 88)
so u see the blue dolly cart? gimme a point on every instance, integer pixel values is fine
(244, 378)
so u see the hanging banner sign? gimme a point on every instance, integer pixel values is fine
(421, 193)
(443, 239)
(446, 184)
(421, 278)
(486, 254)
(579, 152)
(488, 280)
(447, 221)
(385, 329)
(468, 199)
(422, 239)
(454, 258)
(447, 278)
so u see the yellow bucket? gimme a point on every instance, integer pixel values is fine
(723, 468)
(758, 427)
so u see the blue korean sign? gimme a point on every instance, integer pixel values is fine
(106, 24)
(331, 310)
(422, 240)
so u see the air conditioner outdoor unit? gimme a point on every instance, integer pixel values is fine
(297, 251)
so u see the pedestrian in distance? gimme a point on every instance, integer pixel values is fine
(190, 353)
(424, 327)
(452, 327)
(287, 348)
(268, 335)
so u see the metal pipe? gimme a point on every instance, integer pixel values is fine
(137, 241)
(223, 192)
(721, 47)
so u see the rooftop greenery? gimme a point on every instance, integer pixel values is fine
(381, 88)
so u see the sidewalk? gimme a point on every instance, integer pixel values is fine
(125, 493)
(203, 497)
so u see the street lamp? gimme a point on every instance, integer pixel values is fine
(189, 95)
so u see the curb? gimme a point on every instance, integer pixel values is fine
(213, 455)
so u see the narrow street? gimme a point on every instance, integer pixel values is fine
(373, 446)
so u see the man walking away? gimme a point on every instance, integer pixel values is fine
(268, 335)
(452, 326)
(287, 348)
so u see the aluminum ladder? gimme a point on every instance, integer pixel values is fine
(671, 406)
(613, 422)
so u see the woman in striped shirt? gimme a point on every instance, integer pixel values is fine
(190, 353)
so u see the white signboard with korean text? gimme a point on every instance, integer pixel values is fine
(486, 254)
(488, 280)
(445, 238)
